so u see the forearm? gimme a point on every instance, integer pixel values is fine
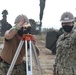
(10, 33)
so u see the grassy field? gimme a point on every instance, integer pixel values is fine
(1, 39)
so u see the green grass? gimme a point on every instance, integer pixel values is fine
(1, 39)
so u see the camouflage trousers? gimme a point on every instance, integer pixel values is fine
(18, 69)
(66, 71)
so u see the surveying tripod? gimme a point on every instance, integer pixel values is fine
(26, 38)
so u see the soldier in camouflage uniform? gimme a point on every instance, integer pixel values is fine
(65, 62)
(12, 39)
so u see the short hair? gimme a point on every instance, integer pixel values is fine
(21, 17)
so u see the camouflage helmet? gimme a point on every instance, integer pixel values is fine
(67, 17)
(20, 17)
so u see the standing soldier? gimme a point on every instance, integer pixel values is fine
(65, 62)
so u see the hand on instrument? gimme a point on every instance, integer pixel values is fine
(33, 39)
(20, 24)
(37, 50)
(54, 72)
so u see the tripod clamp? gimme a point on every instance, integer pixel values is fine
(27, 37)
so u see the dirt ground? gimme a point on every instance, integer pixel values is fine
(46, 58)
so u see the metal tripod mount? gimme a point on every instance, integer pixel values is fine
(26, 38)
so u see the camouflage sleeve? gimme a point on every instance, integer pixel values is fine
(73, 36)
(57, 52)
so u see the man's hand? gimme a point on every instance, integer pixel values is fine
(37, 49)
(20, 24)
(33, 39)
(54, 72)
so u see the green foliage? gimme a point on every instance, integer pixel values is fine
(45, 30)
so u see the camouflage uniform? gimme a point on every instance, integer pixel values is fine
(18, 69)
(65, 63)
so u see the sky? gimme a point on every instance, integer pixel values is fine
(52, 12)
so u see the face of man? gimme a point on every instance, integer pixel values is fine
(68, 26)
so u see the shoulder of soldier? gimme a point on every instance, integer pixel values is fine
(74, 32)
(61, 36)
(74, 28)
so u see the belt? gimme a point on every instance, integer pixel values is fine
(9, 64)
(5, 62)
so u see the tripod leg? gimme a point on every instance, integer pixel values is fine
(26, 56)
(15, 58)
(37, 64)
(30, 57)
(29, 70)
